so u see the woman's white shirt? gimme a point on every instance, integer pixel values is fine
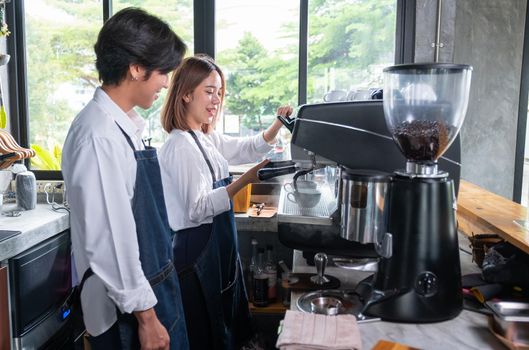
(188, 185)
(100, 172)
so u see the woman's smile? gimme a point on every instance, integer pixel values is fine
(212, 111)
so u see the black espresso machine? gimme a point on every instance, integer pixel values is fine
(397, 167)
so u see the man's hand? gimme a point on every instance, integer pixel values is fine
(152, 334)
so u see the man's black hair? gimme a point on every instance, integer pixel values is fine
(132, 36)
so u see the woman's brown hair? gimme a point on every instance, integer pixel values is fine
(184, 81)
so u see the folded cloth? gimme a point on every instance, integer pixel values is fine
(304, 331)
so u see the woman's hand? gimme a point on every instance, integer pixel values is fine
(247, 178)
(270, 134)
(285, 111)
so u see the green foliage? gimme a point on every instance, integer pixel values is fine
(3, 117)
(257, 81)
(347, 40)
(349, 37)
(61, 61)
(45, 159)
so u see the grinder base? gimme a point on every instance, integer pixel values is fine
(421, 282)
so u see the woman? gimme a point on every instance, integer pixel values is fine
(198, 189)
(121, 239)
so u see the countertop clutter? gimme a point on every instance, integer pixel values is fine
(467, 331)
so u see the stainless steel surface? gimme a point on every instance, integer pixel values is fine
(422, 171)
(511, 320)
(350, 304)
(290, 212)
(363, 218)
(367, 265)
(326, 306)
(384, 248)
(320, 260)
(510, 311)
(438, 43)
(39, 335)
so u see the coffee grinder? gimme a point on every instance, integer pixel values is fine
(424, 108)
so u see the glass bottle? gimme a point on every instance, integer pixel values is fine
(251, 269)
(271, 271)
(260, 281)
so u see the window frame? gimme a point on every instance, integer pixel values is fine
(519, 157)
(204, 41)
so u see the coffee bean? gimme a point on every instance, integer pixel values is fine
(422, 140)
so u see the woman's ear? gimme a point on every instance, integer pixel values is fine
(188, 98)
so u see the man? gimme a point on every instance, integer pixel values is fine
(121, 240)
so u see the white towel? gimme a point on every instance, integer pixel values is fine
(304, 331)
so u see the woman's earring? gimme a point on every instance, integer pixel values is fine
(133, 78)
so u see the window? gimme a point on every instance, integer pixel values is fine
(259, 46)
(179, 15)
(257, 49)
(350, 42)
(61, 76)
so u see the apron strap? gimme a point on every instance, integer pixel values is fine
(204, 154)
(88, 273)
(127, 137)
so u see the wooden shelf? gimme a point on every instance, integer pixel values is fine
(276, 307)
(481, 211)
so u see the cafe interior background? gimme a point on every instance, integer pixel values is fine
(272, 52)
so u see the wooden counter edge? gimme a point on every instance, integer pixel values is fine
(275, 307)
(469, 222)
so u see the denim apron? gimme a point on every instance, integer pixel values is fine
(154, 241)
(210, 271)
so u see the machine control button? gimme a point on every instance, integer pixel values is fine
(426, 284)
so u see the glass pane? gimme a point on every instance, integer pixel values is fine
(257, 49)
(179, 15)
(350, 42)
(60, 35)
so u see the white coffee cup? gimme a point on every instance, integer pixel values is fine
(335, 96)
(304, 193)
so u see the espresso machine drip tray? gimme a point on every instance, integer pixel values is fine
(334, 302)
(330, 302)
(291, 212)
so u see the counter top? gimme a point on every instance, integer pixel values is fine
(467, 331)
(41, 223)
(261, 224)
(36, 226)
(481, 211)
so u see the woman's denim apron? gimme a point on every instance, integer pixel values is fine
(213, 291)
(154, 241)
